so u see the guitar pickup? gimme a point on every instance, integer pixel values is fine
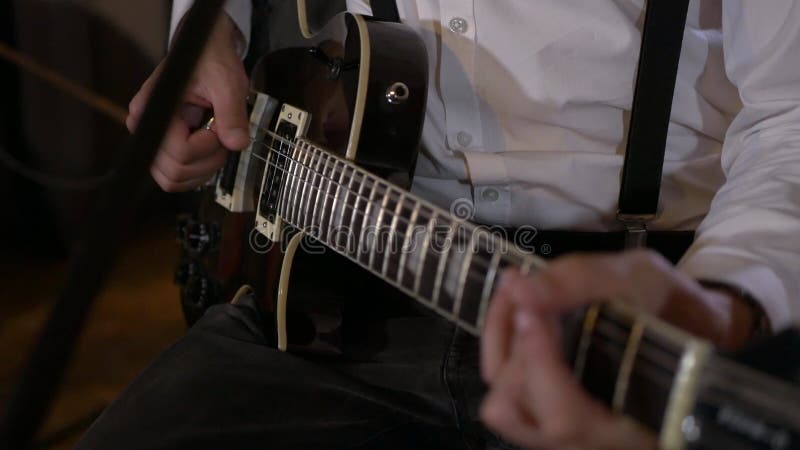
(292, 124)
(237, 178)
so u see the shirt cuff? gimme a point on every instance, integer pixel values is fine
(727, 266)
(240, 11)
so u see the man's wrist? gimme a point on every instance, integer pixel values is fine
(747, 319)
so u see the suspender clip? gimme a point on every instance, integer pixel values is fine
(636, 229)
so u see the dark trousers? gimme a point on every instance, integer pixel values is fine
(406, 380)
(222, 387)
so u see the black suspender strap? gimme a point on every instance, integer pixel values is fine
(385, 10)
(662, 38)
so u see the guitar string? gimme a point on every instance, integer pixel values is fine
(644, 351)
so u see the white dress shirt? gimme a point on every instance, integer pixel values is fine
(528, 112)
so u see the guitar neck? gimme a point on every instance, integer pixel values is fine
(639, 366)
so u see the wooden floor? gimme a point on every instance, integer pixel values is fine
(137, 316)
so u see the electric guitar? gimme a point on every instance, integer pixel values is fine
(336, 123)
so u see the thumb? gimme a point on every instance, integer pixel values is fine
(230, 117)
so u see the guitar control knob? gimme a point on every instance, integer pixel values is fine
(200, 293)
(198, 237)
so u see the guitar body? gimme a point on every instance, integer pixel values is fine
(360, 86)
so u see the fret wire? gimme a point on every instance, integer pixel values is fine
(323, 214)
(683, 389)
(645, 356)
(311, 203)
(292, 213)
(379, 224)
(308, 212)
(437, 282)
(403, 252)
(626, 367)
(340, 227)
(466, 262)
(488, 285)
(654, 371)
(318, 213)
(302, 194)
(589, 325)
(309, 209)
(426, 242)
(367, 213)
(331, 220)
(650, 353)
(359, 197)
(392, 230)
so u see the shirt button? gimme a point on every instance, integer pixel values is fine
(490, 195)
(458, 25)
(464, 139)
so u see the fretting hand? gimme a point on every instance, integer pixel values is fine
(534, 400)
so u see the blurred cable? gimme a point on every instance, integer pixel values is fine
(86, 96)
(94, 100)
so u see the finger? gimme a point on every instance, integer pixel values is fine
(228, 96)
(496, 333)
(641, 277)
(501, 413)
(172, 186)
(187, 148)
(511, 408)
(202, 168)
(567, 415)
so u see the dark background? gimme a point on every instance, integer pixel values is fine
(110, 47)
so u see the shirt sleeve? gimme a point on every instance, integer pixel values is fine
(751, 235)
(240, 11)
